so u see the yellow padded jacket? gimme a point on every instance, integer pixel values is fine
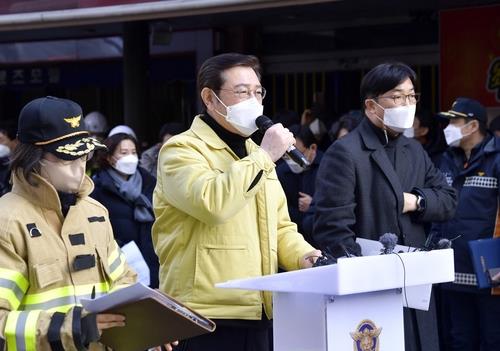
(219, 217)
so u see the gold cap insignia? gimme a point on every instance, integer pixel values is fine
(74, 122)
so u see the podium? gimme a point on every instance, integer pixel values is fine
(356, 304)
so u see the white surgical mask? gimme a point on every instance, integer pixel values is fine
(4, 150)
(399, 118)
(409, 133)
(127, 164)
(65, 176)
(453, 135)
(294, 166)
(242, 115)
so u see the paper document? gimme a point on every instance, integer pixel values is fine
(151, 318)
(131, 293)
(135, 260)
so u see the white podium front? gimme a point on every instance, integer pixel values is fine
(356, 304)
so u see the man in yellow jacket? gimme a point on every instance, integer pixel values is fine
(220, 210)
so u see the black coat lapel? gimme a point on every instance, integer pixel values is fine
(380, 158)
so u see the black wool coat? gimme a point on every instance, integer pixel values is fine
(359, 193)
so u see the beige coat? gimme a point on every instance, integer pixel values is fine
(38, 247)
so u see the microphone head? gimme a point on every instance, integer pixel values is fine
(444, 244)
(263, 123)
(389, 241)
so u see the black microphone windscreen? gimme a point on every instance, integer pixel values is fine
(444, 244)
(389, 241)
(263, 123)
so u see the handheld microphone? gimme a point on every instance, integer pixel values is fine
(264, 123)
(389, 241)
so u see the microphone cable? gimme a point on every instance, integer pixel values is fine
(404, 278)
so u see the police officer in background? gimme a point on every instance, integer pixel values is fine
(56, 243)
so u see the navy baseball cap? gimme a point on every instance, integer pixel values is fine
(57, 126)
(466, 108)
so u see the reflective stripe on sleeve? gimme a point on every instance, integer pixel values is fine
(13, 285)
(63, 298)
(20, 330)
(116, 263)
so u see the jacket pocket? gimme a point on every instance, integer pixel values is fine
(47, 273)
(217, 264)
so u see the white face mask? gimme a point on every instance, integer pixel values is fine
(4, 151)
(127, 164)
(242, 115)
(409, 133)
(453, 135)
(399, 118)
(65, 176)
(294, 167)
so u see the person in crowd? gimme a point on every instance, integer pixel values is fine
(427, 131)
(297, 182)
(472, 166)
(122, 128)
(54, 239)
(375, 181)
(345, 125)
(314, 119)
(495, 126)
(8, 143)
(221, 213)
(149, 158)
(97, 125)
(126, 190)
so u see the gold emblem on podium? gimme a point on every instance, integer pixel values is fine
(366, 336)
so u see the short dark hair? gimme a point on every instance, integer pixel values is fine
(210, 73)
(26, 160)
(426, 118)
(306, 136)
(172, 128)
(385, 77)
(112, 143)
(349, 121)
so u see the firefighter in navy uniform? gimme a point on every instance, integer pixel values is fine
(56, 243)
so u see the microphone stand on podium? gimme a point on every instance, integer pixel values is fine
(356, 304)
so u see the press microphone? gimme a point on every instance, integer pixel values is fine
(264, 123)
(388, 241)
(444, 244)
(432, 244)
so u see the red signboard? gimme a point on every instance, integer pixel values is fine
(470, 55)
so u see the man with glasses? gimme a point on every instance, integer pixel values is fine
(221, 213)
(375, 181)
